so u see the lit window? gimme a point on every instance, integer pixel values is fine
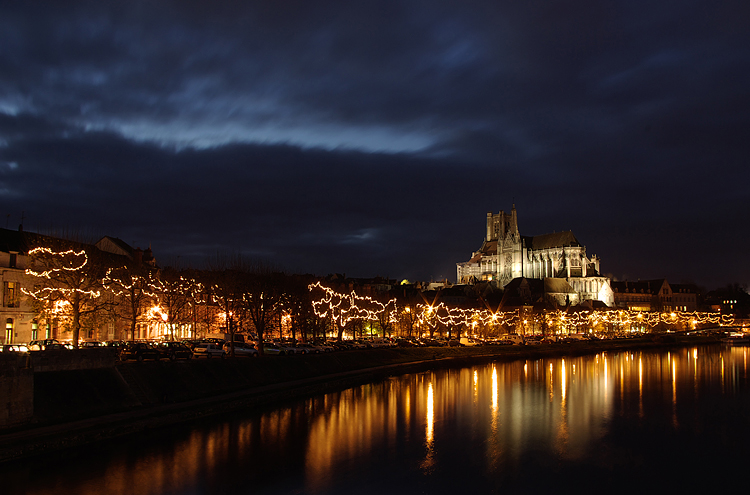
(10, 294)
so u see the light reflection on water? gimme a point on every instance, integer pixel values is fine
(548, 422)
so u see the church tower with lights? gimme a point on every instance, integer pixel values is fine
(506, 255)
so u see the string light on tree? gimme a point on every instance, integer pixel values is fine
(66, 275)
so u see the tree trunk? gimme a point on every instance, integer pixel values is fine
(76, 306)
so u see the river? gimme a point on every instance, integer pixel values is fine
(621, 422)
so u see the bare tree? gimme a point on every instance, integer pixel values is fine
(263, 297)
(68, 282)
(175, 291)
(226, 287)
(133, 286)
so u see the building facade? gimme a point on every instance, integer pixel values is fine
(655, 295)
(23, 322)
(506, 255)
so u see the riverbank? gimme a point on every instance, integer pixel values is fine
(79, 407)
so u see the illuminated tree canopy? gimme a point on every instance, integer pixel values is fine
(67, 285)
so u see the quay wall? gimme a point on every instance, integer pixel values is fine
(79, 359)
(16, 390)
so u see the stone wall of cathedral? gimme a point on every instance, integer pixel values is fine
(513, 259)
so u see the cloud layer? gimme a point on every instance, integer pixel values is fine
(372, 137)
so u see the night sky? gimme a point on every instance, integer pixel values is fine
(372, 137)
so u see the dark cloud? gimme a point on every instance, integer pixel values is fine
(372, 137)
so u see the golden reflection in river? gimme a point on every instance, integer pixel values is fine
(640, 385)
(476, 386)
(429, 459)
(551, 384)
(407, 409)
(563, 403)
(494, 391)
(675, 423)
(562, 431)
(494, 405)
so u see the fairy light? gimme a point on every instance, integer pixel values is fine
(63, 263)
(343, 308)
(64, 257)
(120, 282)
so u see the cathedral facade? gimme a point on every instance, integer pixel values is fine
(506, 255)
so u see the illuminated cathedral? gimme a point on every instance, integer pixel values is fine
(506, 255)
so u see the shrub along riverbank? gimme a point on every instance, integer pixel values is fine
(76, 407)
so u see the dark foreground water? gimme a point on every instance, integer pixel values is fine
(669, 422)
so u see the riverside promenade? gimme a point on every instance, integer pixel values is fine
(79, 407)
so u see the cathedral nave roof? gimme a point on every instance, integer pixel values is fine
(556, 239)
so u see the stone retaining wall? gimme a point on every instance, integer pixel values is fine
(75, 359)
(16, 389)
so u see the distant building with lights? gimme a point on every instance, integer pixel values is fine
(655, 295)
(506, 255)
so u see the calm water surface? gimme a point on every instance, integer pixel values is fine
(617, 422)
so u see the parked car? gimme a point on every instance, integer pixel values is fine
(307, 348)
(359, 344)
(499, 342)
(514, 338)
(289, 347)
(41, 345)
(209, 350)
(273, 349)
(405, 343)
(325, 346)
(89, 344)
(381, 342)
(241, 349)
(342, 345)
(174, 350)
(14, 348)
(191, 343)
(139, 351)
(117, 344)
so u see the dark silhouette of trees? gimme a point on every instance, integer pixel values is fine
(263, 298)
(226, 286)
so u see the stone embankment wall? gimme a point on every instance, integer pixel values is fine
(54, 380)
(80, 359)
(16, 390)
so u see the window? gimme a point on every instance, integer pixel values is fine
(10, 294)
(13, 260)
